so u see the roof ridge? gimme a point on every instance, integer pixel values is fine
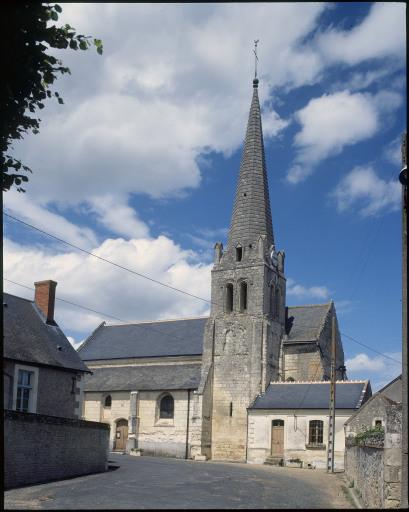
(310, 305)
(158, 321)
(322, 382)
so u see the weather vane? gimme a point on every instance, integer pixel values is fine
(256, 58)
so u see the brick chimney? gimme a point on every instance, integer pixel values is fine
(45, 298)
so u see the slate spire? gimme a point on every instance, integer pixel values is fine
(251, 212)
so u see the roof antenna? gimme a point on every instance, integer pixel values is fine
(256, 58)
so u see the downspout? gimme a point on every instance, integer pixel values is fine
(187, 425)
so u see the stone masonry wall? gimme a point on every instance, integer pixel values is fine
(39, 448)
(376, 471)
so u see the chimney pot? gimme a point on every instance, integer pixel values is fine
(45, 298)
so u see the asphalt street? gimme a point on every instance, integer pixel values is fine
(159, 483)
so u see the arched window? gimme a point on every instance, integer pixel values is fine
(166, 407)
(316, 432)
(108, 401)
(229, 298)
(243, 296)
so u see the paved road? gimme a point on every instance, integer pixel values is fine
(153, 482)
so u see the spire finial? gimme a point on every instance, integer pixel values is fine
(255, 81)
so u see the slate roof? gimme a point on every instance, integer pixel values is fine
(251, 212)
(145, 339)
(28, 338)
(144, 378)
(312, 395)
(305, 322)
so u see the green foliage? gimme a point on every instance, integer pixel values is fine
(27, 32)
(374, 434)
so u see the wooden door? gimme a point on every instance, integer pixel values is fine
(277, 438)
(121, 434)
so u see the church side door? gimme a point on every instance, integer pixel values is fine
(121, 434)
(277, 438)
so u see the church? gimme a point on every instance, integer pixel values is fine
(205, 388)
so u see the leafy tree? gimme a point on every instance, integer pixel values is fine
(27, 32)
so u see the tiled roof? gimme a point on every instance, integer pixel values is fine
(144, 378)
(28, 338)
(145, 339)
(305, 322)
(311, 395)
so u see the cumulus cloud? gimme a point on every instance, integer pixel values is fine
(364, 190)
(102, 287)
(381, 34)
(24, 207)
(299, 291)
(333, 121)
(378, 369)
(393, 152)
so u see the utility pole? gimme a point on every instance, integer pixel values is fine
(403, 178)
(331, 424)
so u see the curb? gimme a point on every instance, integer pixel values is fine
(354, 497)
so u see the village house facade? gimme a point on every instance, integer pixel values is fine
(184, 387)
(44, 435)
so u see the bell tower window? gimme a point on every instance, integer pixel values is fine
(239, 253)
(243, 296)
(229, 298)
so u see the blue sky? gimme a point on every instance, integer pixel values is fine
(140, 164)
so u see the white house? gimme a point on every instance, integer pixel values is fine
(290, 421)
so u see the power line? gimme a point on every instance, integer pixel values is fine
(141, 326)
(106, 260)
(370, 348)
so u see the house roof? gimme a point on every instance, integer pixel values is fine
(145, 339)
(311, 395)
(304, 323)
(28, 338)
(144, 378)
(381, 394)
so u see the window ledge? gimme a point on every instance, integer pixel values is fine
(163, 422)
(315, 446)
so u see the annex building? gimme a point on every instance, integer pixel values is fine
(189, 387)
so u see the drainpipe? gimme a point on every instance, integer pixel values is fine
(187, 425)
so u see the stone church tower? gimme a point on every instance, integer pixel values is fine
(243, 334)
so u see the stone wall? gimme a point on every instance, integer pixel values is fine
(40, 448)
(375, 471)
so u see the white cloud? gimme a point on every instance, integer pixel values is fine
(301, 292)
(381, 34)
(364, 190)
(25, 208)
(378, 369)
(137, 119)
(393, 152)
(118, 217)
(333, 121)
(328, 124)
(102, 287)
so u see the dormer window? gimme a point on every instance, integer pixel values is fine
(239, 253)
